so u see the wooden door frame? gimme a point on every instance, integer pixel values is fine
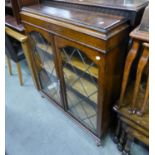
(50, 38)
(101, 71)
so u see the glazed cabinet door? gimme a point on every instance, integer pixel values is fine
(80, 72)
(44, 58)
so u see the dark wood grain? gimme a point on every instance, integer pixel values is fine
(27, 2)
(10, 21)
(97, 21)
(16, 10)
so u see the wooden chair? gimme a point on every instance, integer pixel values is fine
(17, 56)
(132, 108)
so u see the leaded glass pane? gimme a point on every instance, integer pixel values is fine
(44, 58)
(81, 75)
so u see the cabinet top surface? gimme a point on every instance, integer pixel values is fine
(90, 19)
(133, 5)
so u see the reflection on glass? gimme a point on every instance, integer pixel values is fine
(44, 60)
(81, 75)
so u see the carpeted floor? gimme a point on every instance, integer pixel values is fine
(36, 127)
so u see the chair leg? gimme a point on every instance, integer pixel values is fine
(117, 132)
(141, 65)
(129, 61)
(121, 140)
(128, 144)
(9, 65)
(19, 73)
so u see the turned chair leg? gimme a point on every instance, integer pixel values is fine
(9, 65)
(117, 132)
(128, 144)
(19, 73)
(142, 63)
(130, 58)
(121, 141)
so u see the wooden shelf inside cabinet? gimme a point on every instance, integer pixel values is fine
(75, 91)
(47, 66)
(89, 86)
(44, 48)
(75, 61)
(48, 63)
(71, 78)
(81, 66)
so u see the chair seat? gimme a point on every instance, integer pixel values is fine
(13, 49)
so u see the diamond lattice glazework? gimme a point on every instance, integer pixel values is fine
(44, 59)
(81, 76)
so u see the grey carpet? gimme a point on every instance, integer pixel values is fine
(36, 127)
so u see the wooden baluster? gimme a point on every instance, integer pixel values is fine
(130, 58)
(117, 132)
(128, 144)
(122, 139)
(142, 63)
